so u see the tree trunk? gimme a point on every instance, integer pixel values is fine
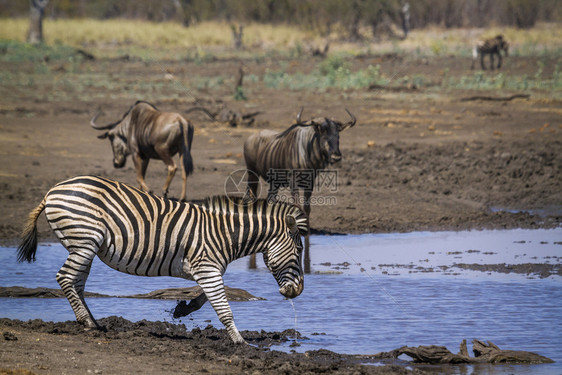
(36, 12)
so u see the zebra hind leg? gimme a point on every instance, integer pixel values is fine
(72, 280)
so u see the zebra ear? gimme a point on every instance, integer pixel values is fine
(291, 223)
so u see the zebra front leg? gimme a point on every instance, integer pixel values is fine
(72, 280)
(213, 286)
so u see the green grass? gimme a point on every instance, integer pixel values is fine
(333, 72)
(500, 81)
(16, 52)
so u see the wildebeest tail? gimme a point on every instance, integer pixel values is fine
(28, 244)
(187, 133)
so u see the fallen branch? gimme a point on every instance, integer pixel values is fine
(228, 116)
(496, 99)
(411, 87)
(85, 54)
(483, 353)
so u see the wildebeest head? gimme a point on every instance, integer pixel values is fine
(118, 141)
(284, 256)
(328, 131)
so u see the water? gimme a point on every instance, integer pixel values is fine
(365, 294)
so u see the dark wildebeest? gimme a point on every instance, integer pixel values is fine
(492, 46)
(305, 146)
(146, 133)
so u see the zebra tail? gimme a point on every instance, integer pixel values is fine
(187, 132)
(28, 244)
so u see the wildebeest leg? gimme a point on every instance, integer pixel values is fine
(183, 196)
(307, 195)
(183, 309)
(272, 192)
(72, 279)
(482, 60)
(140, 166)
(499, 60)
(167, 159)
(492, 61)
(295, 194)
(253, 181)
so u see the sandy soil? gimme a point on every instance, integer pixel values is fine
(416, 160)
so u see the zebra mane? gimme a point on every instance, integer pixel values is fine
(223, 203)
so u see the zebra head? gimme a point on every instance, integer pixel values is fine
(284, 255)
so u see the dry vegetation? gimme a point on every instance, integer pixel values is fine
(107, 36)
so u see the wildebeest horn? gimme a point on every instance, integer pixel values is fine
(353, 119)
(299, 116)
(100, 127)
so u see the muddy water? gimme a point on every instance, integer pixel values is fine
(365, 293)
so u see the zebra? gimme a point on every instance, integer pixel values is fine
(142, 234)
(492, 46)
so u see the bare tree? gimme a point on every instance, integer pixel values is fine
(36, 12)
(237, 36)
(405, 13)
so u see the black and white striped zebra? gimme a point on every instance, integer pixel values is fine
(143, 234)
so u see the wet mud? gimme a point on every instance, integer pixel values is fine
(162, 348)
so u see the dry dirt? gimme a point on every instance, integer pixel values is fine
(416, 160)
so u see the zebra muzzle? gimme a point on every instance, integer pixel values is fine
(292, 290)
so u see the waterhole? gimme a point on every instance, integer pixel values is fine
(364, 294)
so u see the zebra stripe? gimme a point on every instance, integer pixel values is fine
(142, 234)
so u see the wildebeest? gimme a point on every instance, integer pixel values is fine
(492, 46)
(146, 133)
(305, 146)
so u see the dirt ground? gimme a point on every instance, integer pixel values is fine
(160, 348)
(418, 159)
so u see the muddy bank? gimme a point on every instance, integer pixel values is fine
(453, 186)
(397, 187)
(162, 348)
